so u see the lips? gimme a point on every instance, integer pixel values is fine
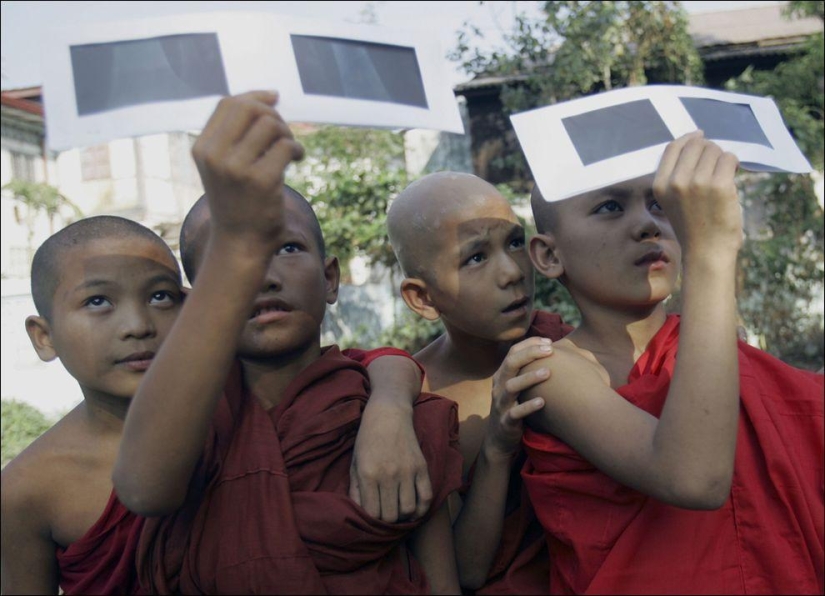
(517, 305)
(269, 306)
(653, 256)
(137, 357)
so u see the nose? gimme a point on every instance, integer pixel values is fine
(272, 280)
(646, 227)
(137, 322)
(510, 271)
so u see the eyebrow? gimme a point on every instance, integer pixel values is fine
(102, 283)
(475, 243)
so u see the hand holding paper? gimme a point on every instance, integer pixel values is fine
(589, 143)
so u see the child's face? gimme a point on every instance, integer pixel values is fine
(116, 301)
(617, 247)
(291, 305)
(481, 278)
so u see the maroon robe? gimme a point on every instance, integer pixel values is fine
(268, 508)
(767, 537)
(521, 564)
(103, 560)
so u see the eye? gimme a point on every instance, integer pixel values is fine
(517, 243)
(97, 302)
(290, 248)
(655, 207)
(477, 258)
(163, 298)
(608, 207)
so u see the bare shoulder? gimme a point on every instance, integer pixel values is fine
(576, 382)
(31, 478)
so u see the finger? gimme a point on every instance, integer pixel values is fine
(389, 503)
(669, 160)
(424, 493)
(521, 411)
(530, 354)
(726, 166)
(354, 489)
(406, 499)
(684, 171)
(232, 118)
(518, 384)
(271, 165)
(707, 162)
(370, 500)
(529, 343)
(261, 137)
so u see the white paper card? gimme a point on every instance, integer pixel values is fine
(590, 143)
(104, 81)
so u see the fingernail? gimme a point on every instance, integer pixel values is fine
(546, 349)
(543, 372)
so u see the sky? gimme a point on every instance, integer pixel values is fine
(25, 23)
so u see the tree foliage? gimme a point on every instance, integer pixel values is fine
(781, 262)
(22, 424)
(350, 175)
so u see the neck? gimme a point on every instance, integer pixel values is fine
(610, 332)
(268, 379)
(103, 411)
(471, 356)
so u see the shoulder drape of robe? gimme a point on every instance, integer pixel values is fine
(766, 538)
(268, 510)
(103, 560)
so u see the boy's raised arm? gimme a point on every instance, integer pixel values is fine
(686, 456)
(241, 157)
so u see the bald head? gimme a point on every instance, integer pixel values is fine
(194, 232)
(545, 214)
(417, 214)
(47, 262)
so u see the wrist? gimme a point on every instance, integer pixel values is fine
(495, 453)
(388, 401)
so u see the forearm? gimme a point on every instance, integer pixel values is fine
(394, 380)
(432, 546)
(478, 528)
(170, 415)
(696, 433)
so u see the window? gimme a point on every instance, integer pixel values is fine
(94, 163)
(22, 166)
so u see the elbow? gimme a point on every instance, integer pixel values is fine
(471, 580)
(139, 498)
(703, 495)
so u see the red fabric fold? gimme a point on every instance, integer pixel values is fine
(766, 538)
(103, 560)
(268, 510)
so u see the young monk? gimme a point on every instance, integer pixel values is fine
(652, 474)
(473, 272)
(107, 291)
(246, 462)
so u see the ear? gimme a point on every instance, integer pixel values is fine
(545, 256)
(332, 275)
(417, 297)
(41, 337)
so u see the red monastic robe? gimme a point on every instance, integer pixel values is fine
(766, 539)
(521, 564)
(268, 509)
(103, 560)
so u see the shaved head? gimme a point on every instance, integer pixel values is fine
(46, 265)
(545, 214)
(194, 232)
(416, 215)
